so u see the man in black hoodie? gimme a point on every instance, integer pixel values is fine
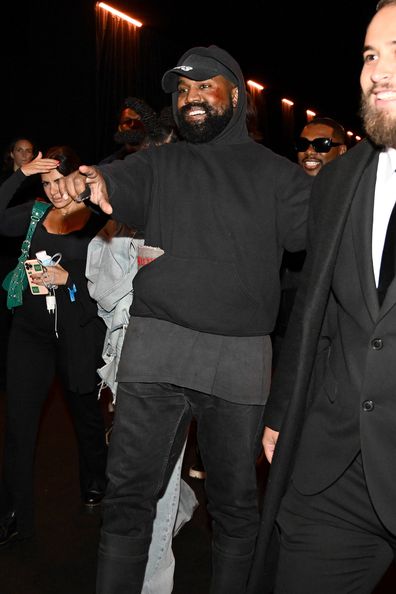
(222, 208)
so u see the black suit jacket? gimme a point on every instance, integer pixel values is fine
(334, 390)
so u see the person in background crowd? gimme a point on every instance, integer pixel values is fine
(55, 333)
(139, 127)
(19, 152)
(135, 121)
(321, 140)
(220, 208)
(331, 416)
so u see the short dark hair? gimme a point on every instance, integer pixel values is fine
(338, 130)
(69, 160)
(148, 116)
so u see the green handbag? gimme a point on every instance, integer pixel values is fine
(16, 281)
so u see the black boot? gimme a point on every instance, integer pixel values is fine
(231, 562)
(121, 564)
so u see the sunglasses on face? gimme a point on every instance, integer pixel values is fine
(320, 145)
(132, 123)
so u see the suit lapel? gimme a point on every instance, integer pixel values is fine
(331, 203)
(390, 299)
(362, 226)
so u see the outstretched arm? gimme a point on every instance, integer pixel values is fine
(76, 183)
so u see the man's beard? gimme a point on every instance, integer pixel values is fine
(206, 130)
(133, 137)
(379, 125)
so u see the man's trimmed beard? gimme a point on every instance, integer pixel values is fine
(379, 125)
(209, 128)
(132, 137)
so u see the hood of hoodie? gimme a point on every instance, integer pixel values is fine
(236, 129)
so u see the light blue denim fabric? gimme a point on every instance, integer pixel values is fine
(115, 251)
(174, 509)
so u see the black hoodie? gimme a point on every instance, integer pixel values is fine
(223, 211)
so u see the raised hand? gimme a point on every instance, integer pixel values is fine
(39, 165)
(75, 184)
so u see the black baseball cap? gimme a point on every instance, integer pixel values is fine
(196, 67)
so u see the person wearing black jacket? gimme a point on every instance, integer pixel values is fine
(19, 152)
(67, 342)
(198, 342)
(331, 417)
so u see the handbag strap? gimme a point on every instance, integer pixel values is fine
(38, 211)
(16, 281)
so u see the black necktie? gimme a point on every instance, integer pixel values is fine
(388, 261)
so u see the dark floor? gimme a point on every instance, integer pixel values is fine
(62, 558)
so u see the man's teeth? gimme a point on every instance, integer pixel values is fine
(386, 95)
(197, 112)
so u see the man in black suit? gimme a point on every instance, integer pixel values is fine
(331, 417)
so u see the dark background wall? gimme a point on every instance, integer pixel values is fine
(53, 89)
(49, 74)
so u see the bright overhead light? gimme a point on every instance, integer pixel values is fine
(252, 83)
(288, 102)
(310, 113)
(358, 138)
(119, 14)
(349, 133)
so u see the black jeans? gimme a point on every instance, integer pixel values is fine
(32, 365)
(150, 426)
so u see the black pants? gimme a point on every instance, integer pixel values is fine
(32, 364)
(332, 542)
(150, 426)
(6, 265)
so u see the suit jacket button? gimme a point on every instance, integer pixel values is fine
(368, 405)
(377, 344)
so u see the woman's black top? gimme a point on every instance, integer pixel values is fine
(80, 330)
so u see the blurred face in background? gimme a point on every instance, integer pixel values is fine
(22, 153)
(130, 128)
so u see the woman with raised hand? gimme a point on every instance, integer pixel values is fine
(55, 331)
